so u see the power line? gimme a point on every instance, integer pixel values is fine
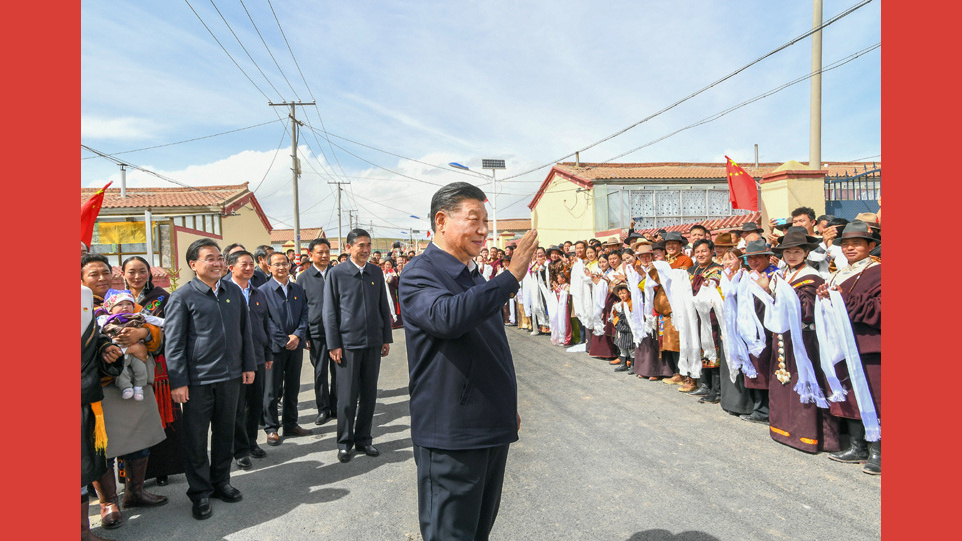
(720, 114)
(245, 50)
(158, 175)
(269, 50)
(701, 90)
(226, 52)
(185, 140)
(276, 152)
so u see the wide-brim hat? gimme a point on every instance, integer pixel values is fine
(612, 241)
(749, 227)
(642, 247)
(725, 240)
(555, 248)
(857, 229)
(660, 245)
(675, 236)
(871, 219)
(757, 247)
(796, 238)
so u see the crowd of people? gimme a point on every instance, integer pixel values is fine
(781, 328)
(221, 356)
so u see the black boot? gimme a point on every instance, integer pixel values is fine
(704, 386)
(106, 487)
(623, 365)
(874, 464)
(714, 389)
(857, 451)
(134, 493)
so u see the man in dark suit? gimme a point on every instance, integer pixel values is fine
(262, 272)
(312, 280)
(357, 327)
(287, 321)
(250, 406)
(209, 353)
(464, 395)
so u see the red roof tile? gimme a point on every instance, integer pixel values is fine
(511, 224)
(307, 233)
(201, 196)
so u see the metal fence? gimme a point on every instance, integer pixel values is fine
(847, 196)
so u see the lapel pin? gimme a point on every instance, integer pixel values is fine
(228, 300)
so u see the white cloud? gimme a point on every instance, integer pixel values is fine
(124, 128)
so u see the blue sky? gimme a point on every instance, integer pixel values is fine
(457, 81)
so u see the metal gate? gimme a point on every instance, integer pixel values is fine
(847, 196)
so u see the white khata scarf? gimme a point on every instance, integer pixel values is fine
(832, 317)
(749, 327)
(684, 319)
(641, 308)
(705, 301)
(786, 316)
(559, 321)
(736, 350)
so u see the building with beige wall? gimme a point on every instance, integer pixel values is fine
(584, 200)
(175, 217)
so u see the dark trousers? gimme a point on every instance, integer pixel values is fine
(459, 492)
(283, 379)
(210, 407)
(250, 409)
(324, 395)
(356, 395)
(759, 401)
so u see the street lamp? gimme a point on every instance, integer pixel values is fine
(493, 165)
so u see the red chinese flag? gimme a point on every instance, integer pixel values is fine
(742, 191)
(88, 215)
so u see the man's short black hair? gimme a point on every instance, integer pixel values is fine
(232, 258)
(289, 250)
(261, 252)
(808, 211)
(193, 251)
(376, 252)
(824, 218)
(698, 226)
(88, 258)
(315, 242)
(232, 246)
(343, 257)
(615, 252)
(355, 234)
(699, 242)
(581, 242)
(450, 196)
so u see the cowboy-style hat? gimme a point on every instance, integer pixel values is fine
(725, 240)
(871, 219)
(757, 247)
(642, 248)
(857, 229)
(675, 236)
(555, 248)
(613, 241)
(796, 237)
(641, 242)
(660, 245)
(749, 227)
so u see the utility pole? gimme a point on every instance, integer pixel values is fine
(295, 168)
(340, 245)
(815, 130)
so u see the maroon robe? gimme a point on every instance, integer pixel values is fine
(803, 426)
(604, 346)
(862, 294)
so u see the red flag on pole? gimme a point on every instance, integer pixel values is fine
(88, 214)
(742, 192)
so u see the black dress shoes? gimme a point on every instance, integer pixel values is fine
(257, 452)
(244, 463)
(708, 399)
(201, 509)
(227, 493)
(368, 449)
(755, 418)
(322, 418)
(343, 456)
(163, 480)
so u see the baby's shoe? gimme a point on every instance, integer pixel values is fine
(138, 393)
(127, 393)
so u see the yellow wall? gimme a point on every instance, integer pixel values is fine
(563, 213)
(244, 227)
(781, 197)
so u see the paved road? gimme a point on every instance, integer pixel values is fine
(601, 456)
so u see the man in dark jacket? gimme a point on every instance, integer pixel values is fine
(262, 272)
(312, 280)
(209, 353)
(357, 327)
(97, 358)
(464, 398)
(250, 407)
(287, 322)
